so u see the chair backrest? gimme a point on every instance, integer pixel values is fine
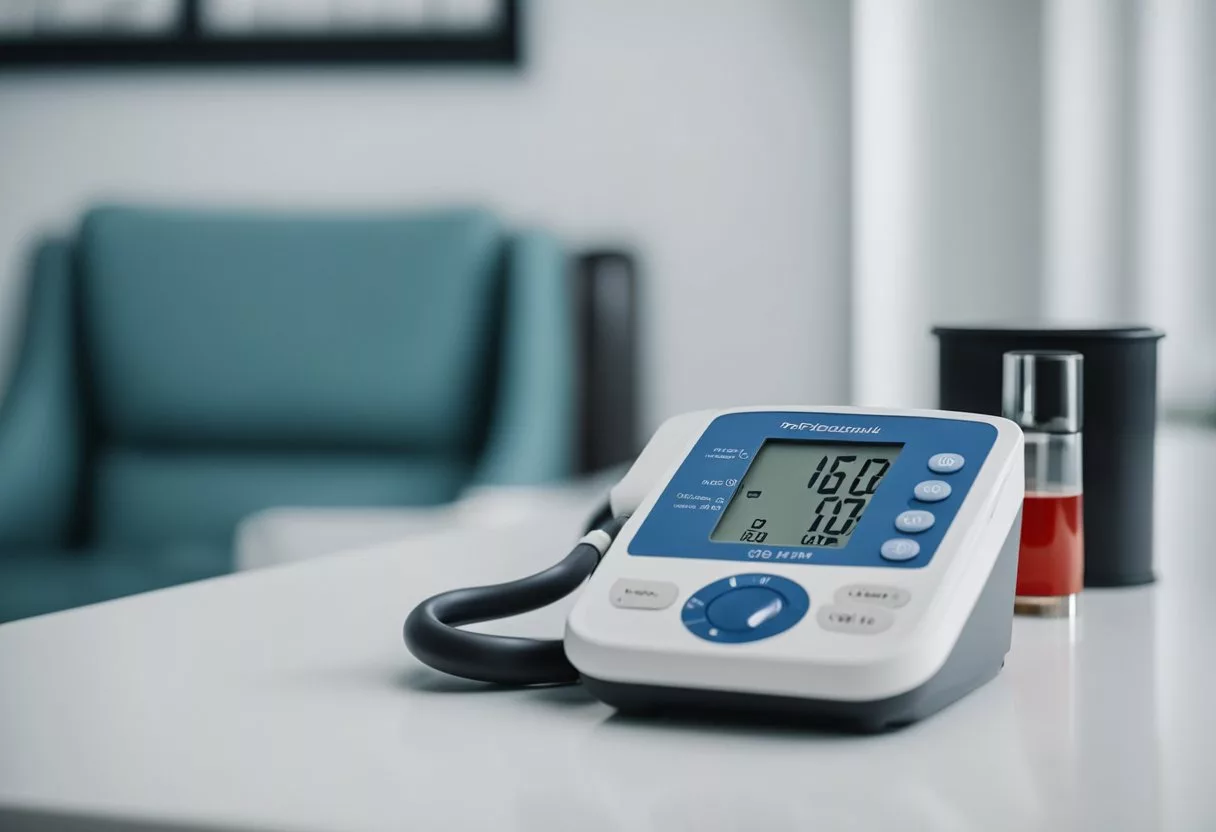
(234, 361)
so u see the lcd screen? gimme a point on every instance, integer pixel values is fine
(805, 493)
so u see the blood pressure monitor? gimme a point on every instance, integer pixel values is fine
(849, 564)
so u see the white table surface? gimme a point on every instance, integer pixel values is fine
(284, 699)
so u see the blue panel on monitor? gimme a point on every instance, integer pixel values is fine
(681, 522)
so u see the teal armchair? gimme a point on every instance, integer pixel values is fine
(181, 370)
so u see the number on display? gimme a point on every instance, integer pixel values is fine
(864, 483)
(875, 477)
(754, 534)
(837, 516)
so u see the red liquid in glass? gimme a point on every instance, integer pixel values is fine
(1052, 557)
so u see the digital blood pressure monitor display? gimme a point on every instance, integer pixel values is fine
(834, 489)
(805, 493)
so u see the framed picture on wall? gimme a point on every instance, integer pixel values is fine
(207, 32)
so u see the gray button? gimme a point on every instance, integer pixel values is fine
(899, 548)
(932, 491)
(857, 620)
(884, 596)
(630, 594)
(915, 521)
(946, 463)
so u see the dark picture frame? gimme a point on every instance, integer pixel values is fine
(186, 43)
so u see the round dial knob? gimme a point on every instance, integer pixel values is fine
(745, 608)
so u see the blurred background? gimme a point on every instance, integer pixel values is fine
(288, 251)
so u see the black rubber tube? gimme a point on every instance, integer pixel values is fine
(432, 634)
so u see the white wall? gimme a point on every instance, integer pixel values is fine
(713, 135)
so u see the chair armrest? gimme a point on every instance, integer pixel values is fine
(39, 436)
(606, 294)
(532, 432)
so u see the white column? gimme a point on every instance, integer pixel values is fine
(1089, 100)
(947, 187)
(887, 314)
(1176, 267)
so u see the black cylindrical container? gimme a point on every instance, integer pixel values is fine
(1120, 395)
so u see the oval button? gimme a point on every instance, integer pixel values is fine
(899, 548)
(631, 594)
(891, 597)
(946, 463)
(915, 521)
(863, 621)
(932, 491)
